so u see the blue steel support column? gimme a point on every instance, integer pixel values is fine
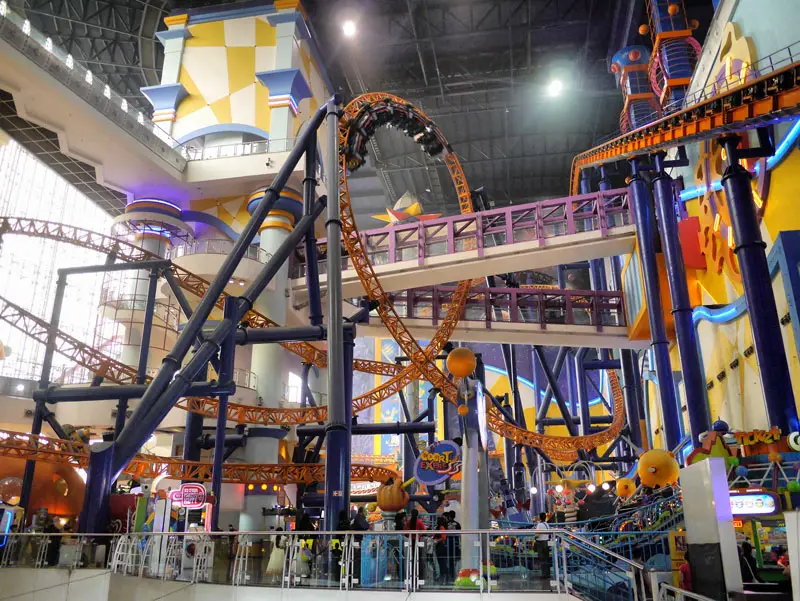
(693, 379)
(629, 384)
(582, 394)
(641, 201)
(144, 349)
(44, 382)
(750, 251)
(312, 267)
(337, 466)
(227, 355)
(99, 478)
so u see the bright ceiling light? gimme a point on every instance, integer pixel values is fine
(534, 490)
(349, 28)
(591, 488)
(20, 387)
(605, 486)
(559, 488)
(555, 87)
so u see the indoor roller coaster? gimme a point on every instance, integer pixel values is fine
(360, 119)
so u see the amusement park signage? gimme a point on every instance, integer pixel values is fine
(438, 462)
(757, 437)
(189, 496)
(754, 503)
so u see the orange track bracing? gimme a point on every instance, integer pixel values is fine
(19, 445)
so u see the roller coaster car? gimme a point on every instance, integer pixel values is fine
(732, 101)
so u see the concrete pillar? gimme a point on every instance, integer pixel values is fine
(267, 360)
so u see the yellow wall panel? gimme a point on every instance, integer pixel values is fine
(207, 34)
(241, 67)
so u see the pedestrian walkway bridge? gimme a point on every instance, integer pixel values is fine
(515, 315)
(476, 245)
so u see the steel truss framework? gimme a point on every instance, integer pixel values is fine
(17, 445)
(764, 100)
(423, 361)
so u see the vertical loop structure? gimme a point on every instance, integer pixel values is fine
(360, 118)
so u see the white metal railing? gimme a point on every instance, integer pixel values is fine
(216, 246)
(484, 561)
(237, 149)
(667, 592)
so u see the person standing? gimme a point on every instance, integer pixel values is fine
(415, 523)
(453, 543)
(360, 524)
(542, 545)
(685, 574)
(441, 551)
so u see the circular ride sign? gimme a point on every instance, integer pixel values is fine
(437, 463)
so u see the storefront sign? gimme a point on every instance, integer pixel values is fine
(190, 495)
(747, 439)
(438, 462)
(754, 503)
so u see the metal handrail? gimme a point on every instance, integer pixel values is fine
(215, 246)
(593, 546)
(679, 594)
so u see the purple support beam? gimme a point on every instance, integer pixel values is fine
(582, 393)
(338, 440)
(639, 193)
(96, 500)
(694, 382)
(227, 354)
(750, 251)
(629, 386)
(310, 241)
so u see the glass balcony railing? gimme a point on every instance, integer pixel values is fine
(216, 247)
(435, 560)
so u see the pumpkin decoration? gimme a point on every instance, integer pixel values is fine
(461, 362)
(392, 496)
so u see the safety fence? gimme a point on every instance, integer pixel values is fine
(216, 246)
(515, 305)
(410, 561)
(534, 223)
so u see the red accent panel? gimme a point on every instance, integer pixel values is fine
(688, 231)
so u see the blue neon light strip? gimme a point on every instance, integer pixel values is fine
(781, 152)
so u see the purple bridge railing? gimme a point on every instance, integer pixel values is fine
(541, 306)
(535, 223)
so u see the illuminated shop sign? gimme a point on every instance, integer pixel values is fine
(754, 503)
(438, 462)
(190, 495)
(757, 437)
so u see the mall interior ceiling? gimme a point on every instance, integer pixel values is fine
(517, 86)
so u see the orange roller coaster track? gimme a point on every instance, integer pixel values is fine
(360, 119)
(755, 103)
(422, 360)
(18, 445)
(190, 282)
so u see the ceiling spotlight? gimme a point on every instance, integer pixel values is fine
(559, 488)
(427, 189)
(605, 486)
(591, 488)
(555, 87)
(20, 387)
(230, 281)
(349, 28)
(534, 490)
